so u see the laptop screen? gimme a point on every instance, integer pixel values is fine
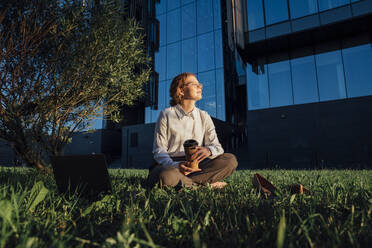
(85, 174)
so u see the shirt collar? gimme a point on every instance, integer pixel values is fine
(181, 113)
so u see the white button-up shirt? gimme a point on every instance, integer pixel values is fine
(174, 127)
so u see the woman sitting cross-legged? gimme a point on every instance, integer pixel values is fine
(178, 123)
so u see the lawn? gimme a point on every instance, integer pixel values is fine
(338, 214)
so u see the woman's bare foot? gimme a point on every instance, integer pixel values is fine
(218, 185)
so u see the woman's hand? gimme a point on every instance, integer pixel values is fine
(185, 169)
(201, 154)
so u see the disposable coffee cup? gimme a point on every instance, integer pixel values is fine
(190, 148)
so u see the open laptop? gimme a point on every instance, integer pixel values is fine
(85, 174)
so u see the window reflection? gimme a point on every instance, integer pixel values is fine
(173, 26)
(209, 83)
(280, 85)
(172, 4)
(257, 86)
(305, 89)
(160, 63)
(210, 105)
(162, 30)
(276, 11)
(302, 8)
(155, 115)
(147, 115)
(204, 12)
(330, 4)
(255, 14)
(189, 57)
(217, 14)
(167, 94)
(161, 7)
(220, 97)
(188, 21)
(173, 60)
(205, 52)
(331, 79)
(183, 2)
(162, 95)
(358, 61)
(218, 48)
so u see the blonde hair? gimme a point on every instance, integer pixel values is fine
(175, 88)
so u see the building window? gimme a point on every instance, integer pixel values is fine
(331, 78)
(161, 7)
(173, 60)
(188, 21)
(220, 88)
(173, 26)
(218, 48)
(208, 102)
(302, 8)
(330, 4)
(257, 86)
(204, 12)
(162, 95)
(357, 64)
(255, 14)
(217, 13)
(275, 11)
(305, 89)
(205, 52)
(208, 81)
(160, 63)
(172, 4)
(162, 30)
(280, 83)
(189, 55)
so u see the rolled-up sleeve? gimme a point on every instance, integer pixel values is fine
(210, 138)
(160, 146)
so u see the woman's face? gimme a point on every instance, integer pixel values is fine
(192, 89)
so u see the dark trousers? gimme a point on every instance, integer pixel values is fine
(212, 170)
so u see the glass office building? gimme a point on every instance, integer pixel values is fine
(292, 79)
(191, 40)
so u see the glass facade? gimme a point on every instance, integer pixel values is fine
(302, 8)
(190, 40)
(358, 64)
(330, 71)
(275, 11)
(330, 4)
(263, 13)
(305, 88)
(255, 15)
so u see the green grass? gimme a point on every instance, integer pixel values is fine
(338, 214)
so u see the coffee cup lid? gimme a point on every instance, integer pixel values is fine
(190, 142)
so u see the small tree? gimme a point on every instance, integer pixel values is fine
(61, 66)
